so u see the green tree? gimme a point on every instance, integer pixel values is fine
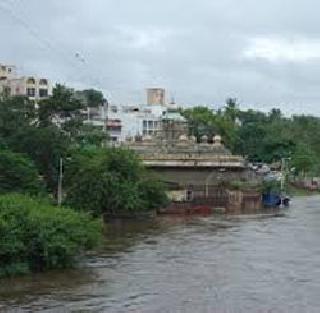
(89, 135)
(15, 113)
(304, 159)
(203, 121)
(231, 109)
(18, 174)
(62, 105)
(94, 98)
(45, 146)
(111, 180)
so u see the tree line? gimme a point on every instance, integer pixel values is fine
(261, 136)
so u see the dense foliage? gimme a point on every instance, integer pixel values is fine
(93, 97)
(18, 174)
(35, 235)
(261, 137)
(48, 133)
(111, 180)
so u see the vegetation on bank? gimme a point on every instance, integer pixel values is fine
(35, 235)
(18, 174)
(111, 181)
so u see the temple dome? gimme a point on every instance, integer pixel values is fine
(192, 138)
(217, 139)
(204, 139)
(183, 138)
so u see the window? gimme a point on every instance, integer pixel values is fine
(43, 93)
(145, 132)
(31, 81)
(145, 124)
(43, 82)
(31, 92)
(9, 69)
(114, 109)
(150, 124)
(189, 195)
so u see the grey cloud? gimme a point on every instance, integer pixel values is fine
(195, 49)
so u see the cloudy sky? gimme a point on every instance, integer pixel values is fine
(266, 53)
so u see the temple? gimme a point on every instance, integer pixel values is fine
(191, 169)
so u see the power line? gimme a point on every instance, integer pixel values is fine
(46, 44)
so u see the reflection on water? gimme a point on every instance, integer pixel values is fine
(248, 263)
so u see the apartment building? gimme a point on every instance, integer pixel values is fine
(7, 72)
(35, 88)
(32, 87)
(127, 122)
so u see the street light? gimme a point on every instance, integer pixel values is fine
(59, 196)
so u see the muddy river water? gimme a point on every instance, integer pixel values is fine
(248, 263)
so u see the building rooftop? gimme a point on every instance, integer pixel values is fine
(173, 116)
(184, 152)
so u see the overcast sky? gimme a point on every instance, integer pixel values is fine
(266, 53)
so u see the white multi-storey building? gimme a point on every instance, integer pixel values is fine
(126, 122)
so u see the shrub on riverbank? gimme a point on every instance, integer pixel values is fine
(111, 181)
(35, 235)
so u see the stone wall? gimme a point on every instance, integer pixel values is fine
(201, 176)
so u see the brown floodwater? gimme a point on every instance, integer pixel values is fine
(248, 263)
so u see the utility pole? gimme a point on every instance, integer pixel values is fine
(282, 174)
(284, 167)
(59, 196)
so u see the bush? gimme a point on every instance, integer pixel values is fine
(35, 235)
(18, 174)
(111, 180)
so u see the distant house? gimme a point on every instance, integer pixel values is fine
(35, 88)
